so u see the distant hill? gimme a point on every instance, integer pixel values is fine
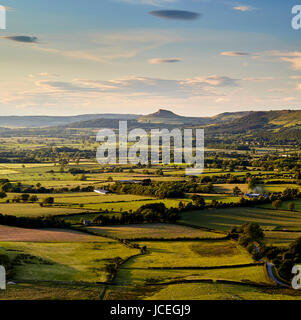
(48, 121)
(230, 116)
(167, 117)
(261, 120)
(161, 118)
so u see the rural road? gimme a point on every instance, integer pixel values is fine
(271, 275)
(270, 270)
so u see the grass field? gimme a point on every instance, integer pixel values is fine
(279, 238)
(203, 291)
(190, 254)
(224, 219)
(154, 231)
(34, 210)
(228, 188)
(80, 261)
(253, 274)
(45, 235)
(48, 291)
(285, 205)
(128, 205)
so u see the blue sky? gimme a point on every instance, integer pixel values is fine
(102, 56)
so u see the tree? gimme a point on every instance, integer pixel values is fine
(291, 206)
(25, 197)
(82, 177)
(198, 201)
(33, 198)
(277, 204)
(2, 195)
(236, 191)
(251, 183)
(48, 201)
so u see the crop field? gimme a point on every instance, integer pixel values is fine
(8, 234)
(48, 291)
(281, 239)
(34, 210)
(285, 205)
(225, 219)
(132, 276)
(217, 291)
(224, 198)
(154, 231)
(68, 261)
(279, 187)
(190, 254)
(94, 198)
(228, 188)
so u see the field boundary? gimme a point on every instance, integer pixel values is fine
(236, 266)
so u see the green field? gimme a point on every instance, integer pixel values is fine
(285, 205)
(82, 261)
(153, 231)
(34, 210)
(203, 291)
(49, 291)
(225, 219)
(279, 238)
(132, 276)
(190, 254)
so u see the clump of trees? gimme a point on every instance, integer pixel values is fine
(161, 190)
(285, 259)
(7, 186)
(250, 236)
(37, 222)
(148, 213)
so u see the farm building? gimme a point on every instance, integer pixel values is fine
(253, 195)
(101, 191)
(129, 181)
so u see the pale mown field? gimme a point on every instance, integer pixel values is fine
(45, 235)
(154, 231)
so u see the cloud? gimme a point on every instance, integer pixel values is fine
(243, 8)
(7, 8)
(149, 2)
(24, 39)
(175, 14)
(48, 75)
(213, 81)
(164, 60)
(143, 86)
(234, 54)
(105, 48)
(293, 57)
(260, 79)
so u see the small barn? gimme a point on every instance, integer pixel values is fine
(101, 191)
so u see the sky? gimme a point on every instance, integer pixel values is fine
(193, 57)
